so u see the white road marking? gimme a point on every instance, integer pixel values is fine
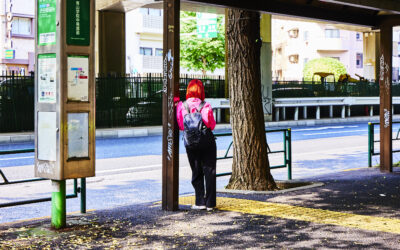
(337, 132)
(132, 168)
(350, 150)
(16, 158)
(323, 128)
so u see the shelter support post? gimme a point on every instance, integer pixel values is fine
(170, 155)
(111, 28)
(371, 43)
(266, 66)
(305, 112)
(385, 86)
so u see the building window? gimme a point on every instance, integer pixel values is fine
(305, 35)
(158, 52)
(359, 60)
(155, 12)
(293, 33)
(358, 37)
(398, 49)
(21, 26)
(150, 12)
(294, 58)
(144, 11)
(332, 33)
(146, 51)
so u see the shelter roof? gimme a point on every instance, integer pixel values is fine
(367, 13)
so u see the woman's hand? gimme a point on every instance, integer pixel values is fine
(176, 100)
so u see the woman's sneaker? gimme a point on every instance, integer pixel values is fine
(210, 209)
(195, 207)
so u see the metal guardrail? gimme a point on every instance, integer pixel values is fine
(371, 141)
(287, 150)
(76, 190)
(291, 89)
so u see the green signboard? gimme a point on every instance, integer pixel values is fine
(206, 25)
(46, 22)
(10, 54)
(78, 22)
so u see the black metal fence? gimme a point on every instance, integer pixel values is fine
(289, 89)
(137, 100)
(16, 103)
(120, 100)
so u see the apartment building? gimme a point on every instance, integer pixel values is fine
(17, 35)
(144, 43)
(295, 42)
(396, 55)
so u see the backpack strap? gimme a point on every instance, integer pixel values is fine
(200, 107)
(185, 105)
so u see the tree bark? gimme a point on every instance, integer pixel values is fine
(250, 169)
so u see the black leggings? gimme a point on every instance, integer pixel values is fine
(203, 163)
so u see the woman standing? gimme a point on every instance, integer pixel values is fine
(202, 159)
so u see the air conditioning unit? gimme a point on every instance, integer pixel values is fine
(294, 58)
(293, 33)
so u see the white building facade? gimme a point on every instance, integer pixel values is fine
(17, 35)
(144, 43)
(295, 42)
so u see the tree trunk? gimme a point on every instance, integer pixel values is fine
(250, 169)
(204, 65)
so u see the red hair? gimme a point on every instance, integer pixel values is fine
(195, 89)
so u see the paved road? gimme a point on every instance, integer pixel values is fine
(133, 176)
(151, 145)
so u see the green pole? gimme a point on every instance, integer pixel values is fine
(370, 135)
(285, 148)
(289, 151)
(58, 204)
(83, 195)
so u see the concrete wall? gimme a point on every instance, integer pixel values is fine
(111, 42)
(370, 51)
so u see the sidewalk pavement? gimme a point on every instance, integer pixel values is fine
(157, 130)
(357, 208)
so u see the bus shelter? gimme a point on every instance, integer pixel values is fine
(65, 56)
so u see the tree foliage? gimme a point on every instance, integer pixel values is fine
(323, 64)
(204, 54)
